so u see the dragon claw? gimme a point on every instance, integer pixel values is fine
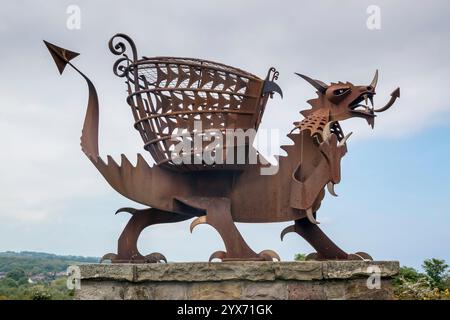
(132, 211)
(311, 256)
(109, 256)
(358, 256)
(364, 255)
(269, 255)
(286, 231)
(218, 255)
(155, 257)
(199, 220)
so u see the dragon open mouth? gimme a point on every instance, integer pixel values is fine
(360, 106)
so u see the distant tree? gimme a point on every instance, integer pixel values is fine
(17, 275)
(8, 283)
(300, 257)
(410, 275)
(436, 271)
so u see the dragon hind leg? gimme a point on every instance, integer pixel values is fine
(218, 214)
(325, 247)
(127, 251)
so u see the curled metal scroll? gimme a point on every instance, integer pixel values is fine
(118, 46)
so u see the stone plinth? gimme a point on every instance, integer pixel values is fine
(239, 280)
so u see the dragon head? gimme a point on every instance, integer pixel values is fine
(342, 101)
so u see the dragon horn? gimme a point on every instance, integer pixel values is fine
(60, 55)
(374, 82)
(319, 85)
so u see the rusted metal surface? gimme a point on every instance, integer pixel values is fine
(168, 93)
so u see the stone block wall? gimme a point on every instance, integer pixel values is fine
(238, 280)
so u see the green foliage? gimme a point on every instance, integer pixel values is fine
(436, 271)
(407, 274)
(300, 257)
(431, 285)
(44, 268)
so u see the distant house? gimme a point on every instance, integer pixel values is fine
(2, 275)
(38, 277)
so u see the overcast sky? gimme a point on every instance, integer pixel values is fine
(394, 194)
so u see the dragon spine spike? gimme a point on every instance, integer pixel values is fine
(291, 136)
(285, 148)
(125, 163)
(141, 162)
(112, 162)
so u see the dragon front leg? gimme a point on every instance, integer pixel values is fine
(217, 213)
(127, 251)
(325, 248)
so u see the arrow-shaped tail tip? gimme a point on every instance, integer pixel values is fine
(60, 55)
(396, 93)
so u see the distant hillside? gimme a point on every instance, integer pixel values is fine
(33, 263)
(36, 275)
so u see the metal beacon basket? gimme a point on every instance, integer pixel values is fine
(169, 97)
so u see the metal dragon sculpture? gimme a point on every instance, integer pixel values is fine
(166, 94)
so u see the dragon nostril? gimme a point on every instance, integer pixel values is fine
(369, 88)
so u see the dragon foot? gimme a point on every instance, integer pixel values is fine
(265, 255)
(269, 255)
(218, 215)
(109, 257)
(127, 251)
(358, 256)
(154, 257)
(326, 249)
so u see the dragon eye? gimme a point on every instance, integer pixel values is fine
(341, 91)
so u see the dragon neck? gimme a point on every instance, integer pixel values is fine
(313, 128)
